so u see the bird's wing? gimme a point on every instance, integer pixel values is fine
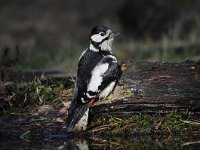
(80, 106)
(86, 66)
(113, 73)
(106, 71)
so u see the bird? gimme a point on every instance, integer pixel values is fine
(97, 76)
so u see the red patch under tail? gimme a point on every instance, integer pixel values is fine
(92, 102)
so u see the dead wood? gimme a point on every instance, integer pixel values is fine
(152, 87)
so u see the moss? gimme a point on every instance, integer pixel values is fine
(142, 120)
(171, 123)
(117, 125)
(174, 121)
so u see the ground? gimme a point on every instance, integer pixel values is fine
(153, 102)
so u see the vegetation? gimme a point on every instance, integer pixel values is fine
(23, 96)
(170, 47)
(56, 38)
(147, 131)
(145, 124)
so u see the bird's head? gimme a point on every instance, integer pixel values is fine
(101, 38)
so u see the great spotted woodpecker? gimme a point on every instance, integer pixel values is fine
(97, 76)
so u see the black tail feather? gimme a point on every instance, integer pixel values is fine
(75, 113)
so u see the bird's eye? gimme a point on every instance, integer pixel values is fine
(102, 34)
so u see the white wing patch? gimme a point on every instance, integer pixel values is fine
(113, 57)
(107, 90)
(96, 78)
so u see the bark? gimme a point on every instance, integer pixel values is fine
(148, 87)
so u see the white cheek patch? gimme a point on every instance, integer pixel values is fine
(97, 78)
(97, 38)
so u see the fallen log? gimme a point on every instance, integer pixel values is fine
(145, 87)
(153, 87)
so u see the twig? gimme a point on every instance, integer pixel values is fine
(191, 122)
(190, 143)
(169, 130)
(123, 128)
(157, 127)
(99, 128)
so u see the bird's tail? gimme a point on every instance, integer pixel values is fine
(76, 113)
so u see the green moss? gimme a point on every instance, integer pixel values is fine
(142, 120)
(170, 123)
(174, 121)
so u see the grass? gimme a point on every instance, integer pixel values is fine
(167, 49)
(171, 47)
(174, 46)
(171, 123)
(147, 131)
(20, 97)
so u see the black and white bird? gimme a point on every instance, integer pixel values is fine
(97, 76)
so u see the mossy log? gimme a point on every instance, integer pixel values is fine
(152, 87)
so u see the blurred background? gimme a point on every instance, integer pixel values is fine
(49, 34)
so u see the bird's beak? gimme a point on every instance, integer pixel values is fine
(113, 34)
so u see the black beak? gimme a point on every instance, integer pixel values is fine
(113, 34)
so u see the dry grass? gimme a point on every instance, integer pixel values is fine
(17, 98)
